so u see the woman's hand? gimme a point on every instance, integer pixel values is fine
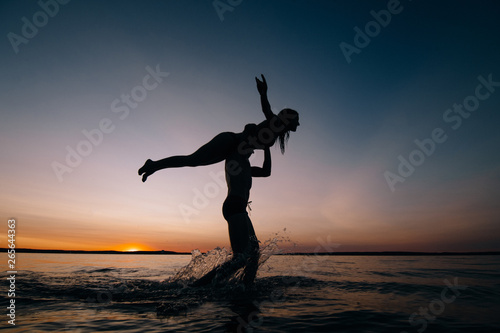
(262, 88)
(261, 85)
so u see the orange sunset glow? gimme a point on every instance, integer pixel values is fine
(132, 247)
(77, 127)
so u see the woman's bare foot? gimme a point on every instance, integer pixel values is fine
(146, 170)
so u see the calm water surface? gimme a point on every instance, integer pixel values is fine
(136, 293)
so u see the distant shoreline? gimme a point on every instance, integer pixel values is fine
(395, 253)
(21, 250)
(382, 253)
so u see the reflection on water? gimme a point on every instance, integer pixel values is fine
(135, 293)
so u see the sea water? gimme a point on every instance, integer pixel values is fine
(292, 293)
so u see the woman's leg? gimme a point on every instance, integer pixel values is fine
(216, 150)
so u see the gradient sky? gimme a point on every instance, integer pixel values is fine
(357, 118)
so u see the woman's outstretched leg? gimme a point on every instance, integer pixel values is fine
(216, 150)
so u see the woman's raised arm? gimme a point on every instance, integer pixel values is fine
(262, 88)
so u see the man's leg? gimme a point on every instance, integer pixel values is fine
(253, 255)
(240, 232)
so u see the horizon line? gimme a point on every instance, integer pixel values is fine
(407, 253)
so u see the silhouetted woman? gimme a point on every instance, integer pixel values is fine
(222, 145)
(235, 149)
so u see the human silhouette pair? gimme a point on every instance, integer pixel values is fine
(235, 149)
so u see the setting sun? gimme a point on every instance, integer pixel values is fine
(132, 247)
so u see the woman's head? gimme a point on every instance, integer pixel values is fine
(290, 120)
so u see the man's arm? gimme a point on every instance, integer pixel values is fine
(262, 88)
(265, 171)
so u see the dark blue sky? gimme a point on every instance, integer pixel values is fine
(357, 119)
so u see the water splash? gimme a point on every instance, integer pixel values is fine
(202, 263)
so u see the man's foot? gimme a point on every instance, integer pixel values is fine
(146, 170)
(206, 279)
(251, 268)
